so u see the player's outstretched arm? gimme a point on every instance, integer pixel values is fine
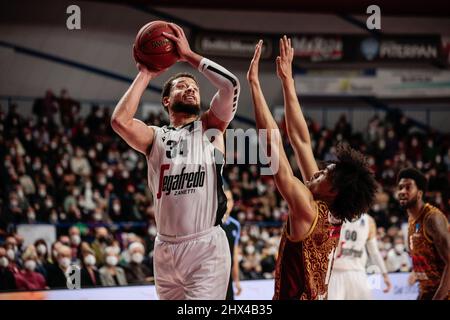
(297, 128)
(436, 229)
(298, 197)
(375, 255)
(136, 133)
(224, 103)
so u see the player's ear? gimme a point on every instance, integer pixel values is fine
(166, 101)
(420, 194)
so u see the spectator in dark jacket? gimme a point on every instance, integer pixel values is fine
(137, 272)
(56, 272)
(7, 281)
(90, 276)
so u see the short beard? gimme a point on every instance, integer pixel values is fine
(191, 109)
(411, 203)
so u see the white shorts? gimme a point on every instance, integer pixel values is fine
(349, 285)
(195, 267)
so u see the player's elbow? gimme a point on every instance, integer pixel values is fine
(233, 86)
(117, 124)
(237, 85)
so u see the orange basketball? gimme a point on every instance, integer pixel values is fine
(152, 49)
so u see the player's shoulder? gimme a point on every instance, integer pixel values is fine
(432, 209)
(433, 213)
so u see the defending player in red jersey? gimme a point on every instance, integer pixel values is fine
(317, 208)
(429, 238)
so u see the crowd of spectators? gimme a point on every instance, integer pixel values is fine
(74, 172)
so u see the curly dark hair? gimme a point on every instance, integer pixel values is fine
(354, 182)
(168, 85)
(419, 178)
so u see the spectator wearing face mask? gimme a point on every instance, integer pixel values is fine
(111, 274)
(75, 241)
(56, 273)
(13, 266)
(7, 280)
(29, 279)
(90, 277)
(136, 272)
(42, 257)
(12, 243)
(397, 258)
(99, 244)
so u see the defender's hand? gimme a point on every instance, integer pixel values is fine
(253, 71)
(284, 60)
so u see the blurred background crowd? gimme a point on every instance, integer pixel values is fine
(72, 171)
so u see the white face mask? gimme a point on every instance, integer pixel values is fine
(41, 249)
(31, 215)
(97, 216)
(244, 238)
(64, 262)
(387, 245)
(30, 265)
(112, 260)
(10, 254)
(4, 262)
(399, 248)
(250, 249)
(152, 231)
(75, 239)
(137, 257)
(90, 260)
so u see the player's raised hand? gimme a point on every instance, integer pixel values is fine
(253, 71)
(184, 50)
(284, 60)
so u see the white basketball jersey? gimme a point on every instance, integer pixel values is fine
(185, 180)
(351, 252)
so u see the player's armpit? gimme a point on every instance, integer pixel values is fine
(136, 134)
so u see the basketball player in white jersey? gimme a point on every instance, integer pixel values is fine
(191, 254)
(349, 278)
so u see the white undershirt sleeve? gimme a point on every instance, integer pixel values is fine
(374, 253)
(224, 103)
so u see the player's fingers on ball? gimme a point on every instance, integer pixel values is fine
(180, 30)
(174, 29)
(170, 36)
